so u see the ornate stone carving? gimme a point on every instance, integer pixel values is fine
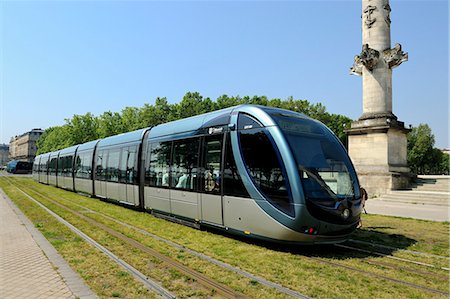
(356, 69)
(368, 20)
(395, 56)
(387, 18)
(368, 58)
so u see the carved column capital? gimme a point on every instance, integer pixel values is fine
(395, 56)
(368, 58)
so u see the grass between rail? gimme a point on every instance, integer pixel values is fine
(290, 266)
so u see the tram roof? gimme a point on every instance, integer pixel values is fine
(215, 118)
(69, 150)
(130, 137)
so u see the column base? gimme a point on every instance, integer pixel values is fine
(378, 183)
(377, 147)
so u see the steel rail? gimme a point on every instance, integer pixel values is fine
(391, 257)
(410, 284)
(415, 271)
(398, 249)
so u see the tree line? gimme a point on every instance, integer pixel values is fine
(423, 158)
(83, 128)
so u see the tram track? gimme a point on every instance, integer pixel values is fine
(253, 277)
(407, 269)
(394, 280)
(256, 278)
(391, 257)
(372, 244)
(205, 281)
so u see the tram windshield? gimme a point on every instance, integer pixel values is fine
(323, 165)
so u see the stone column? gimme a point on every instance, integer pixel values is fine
(377, 140)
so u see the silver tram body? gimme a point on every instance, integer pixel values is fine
(262, 172)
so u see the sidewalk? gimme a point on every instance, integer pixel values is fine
(29, 265)
(410, 210)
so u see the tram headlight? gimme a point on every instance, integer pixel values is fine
(345, 214)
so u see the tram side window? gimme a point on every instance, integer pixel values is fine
(100, 169)
(52, 166)
(60, 165)
(69, 163)
(65, 166)
(132, 166)
(35, 166)
(232, 182)
(46, 166)
(263, 165)
(184, 164)
(112, 170)
(83, 165)
(128, 165)
(211, 180)
(123, 165)
(157, 172)
(43, 166)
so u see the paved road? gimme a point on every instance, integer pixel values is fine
(418, 211)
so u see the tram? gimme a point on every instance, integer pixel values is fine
(250, 170)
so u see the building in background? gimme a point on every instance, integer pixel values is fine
(24, 147)
(4, 154)
(446, 151)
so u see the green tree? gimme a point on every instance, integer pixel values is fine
(192, 104)
(131, 119)
(225, 101)
(53, 138)
(445, 164)
(420, 149)
(109, 124)
(82, 128)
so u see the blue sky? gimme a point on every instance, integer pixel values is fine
(61, 58)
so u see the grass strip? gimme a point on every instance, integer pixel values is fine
(291, 269)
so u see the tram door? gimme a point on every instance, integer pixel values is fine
(128, 175)
(211, 195)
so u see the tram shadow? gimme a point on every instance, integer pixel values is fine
(363, 243)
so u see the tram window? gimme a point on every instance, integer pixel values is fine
(43, 165)
(100, 170)
(263, 165)
(210, 182)
(132, 174)
(83, 167)
(112, 171)
(60, 165)
(157, 173)
(70, 165)
(246, 122)
(66, 166)
(128, 166)
(123, 165)
(53, 166)
(184, 164)
(232, 182)
(35, 166)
